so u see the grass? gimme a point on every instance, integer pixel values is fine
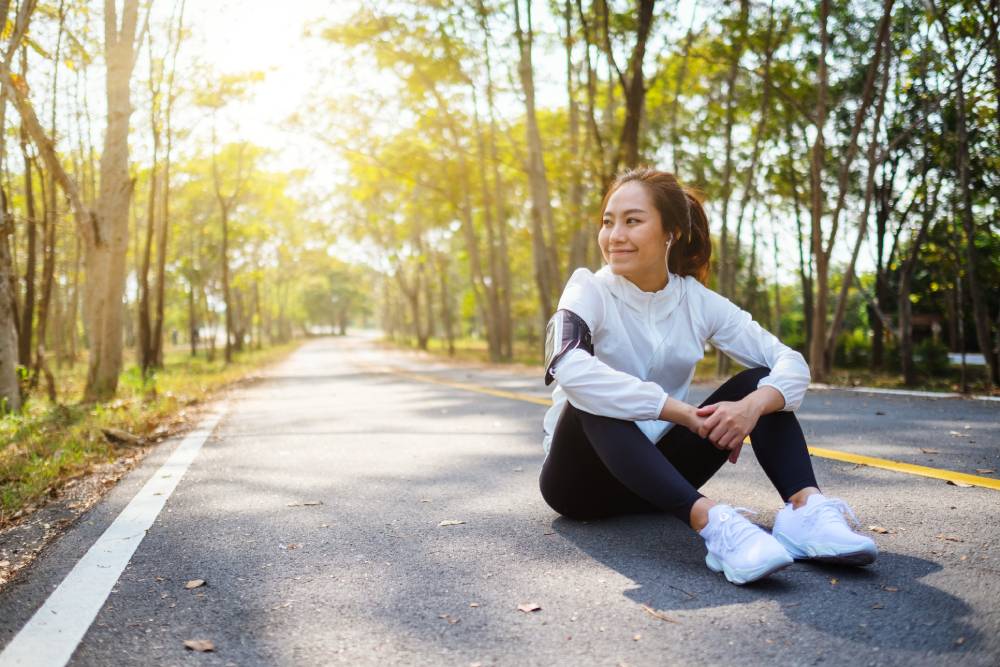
(475, 350)
(48, 444)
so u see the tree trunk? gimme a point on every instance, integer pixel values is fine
(818, 346)
(161, 242)
(106, 250)
(545, 257)
(980, 310)
(447, 313)
(504, 324)
(818, 343)
(10, 391)
(28, 305)
(725, 252)
(634, 87)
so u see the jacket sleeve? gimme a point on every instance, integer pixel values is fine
(734, 331)
(589, 383)
(593, 386)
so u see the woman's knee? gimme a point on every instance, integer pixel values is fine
(744, 382)
(563, 501)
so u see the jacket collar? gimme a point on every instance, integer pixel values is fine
(624, 290)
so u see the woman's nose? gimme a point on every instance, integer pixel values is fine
(618, 234)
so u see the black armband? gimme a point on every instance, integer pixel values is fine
(565, 331)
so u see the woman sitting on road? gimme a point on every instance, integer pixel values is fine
(622, 348)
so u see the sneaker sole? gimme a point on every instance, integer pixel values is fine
(740, 578)
(859, 557)
(863, 557)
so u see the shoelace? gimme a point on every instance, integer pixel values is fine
(735, 533)
(834, 508)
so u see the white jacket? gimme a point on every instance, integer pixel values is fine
(646, 345)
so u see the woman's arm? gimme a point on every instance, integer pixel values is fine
(734, 331)
(593, 386)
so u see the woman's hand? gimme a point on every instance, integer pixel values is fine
(727, 423)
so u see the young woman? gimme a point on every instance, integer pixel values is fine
(622, 348)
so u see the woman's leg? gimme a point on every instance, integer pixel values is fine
(601, 466)
(778, 443)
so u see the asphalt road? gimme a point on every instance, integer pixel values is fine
(368, 576)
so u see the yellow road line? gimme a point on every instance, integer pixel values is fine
(821, 452)
(908, 468)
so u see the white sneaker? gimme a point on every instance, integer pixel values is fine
(740, 549)
(819, 531)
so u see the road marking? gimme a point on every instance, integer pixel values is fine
(821, 452)
(51, 636)
(903, 392)
(909, 468)
(513, 395)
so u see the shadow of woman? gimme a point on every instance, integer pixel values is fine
(884, 605)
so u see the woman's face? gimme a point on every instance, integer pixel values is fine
(632, 239)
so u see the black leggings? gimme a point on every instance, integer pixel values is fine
(601, 466)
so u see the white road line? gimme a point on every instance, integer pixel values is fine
(53, 633)
(903, 392)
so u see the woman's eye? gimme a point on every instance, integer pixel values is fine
(606, 222)
(631, 220)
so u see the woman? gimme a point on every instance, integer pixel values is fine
(622, 348)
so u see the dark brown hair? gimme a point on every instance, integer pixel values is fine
(681, 214)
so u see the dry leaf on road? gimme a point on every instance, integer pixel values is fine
(928, 450)
(961, 485)
(451, 522)
(879, 529)
(985, 471)
(528, 607)
(200, 645)
(194, 583)
(949, 538)
(656, 613)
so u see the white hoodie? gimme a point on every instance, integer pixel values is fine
(646, 345)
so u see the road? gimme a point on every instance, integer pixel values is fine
(313, 514)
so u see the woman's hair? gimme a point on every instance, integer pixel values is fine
(681, 214)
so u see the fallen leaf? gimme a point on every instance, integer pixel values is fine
(473, 604)
(879, 412)
(961, 485)
(833, 582)
(120, 437)
(636, 637)
(949, 538)
(290, 547)
(878, 605)
(200, 645)
(549, 532)
(959, 641)
(451, 522)
(890, 589)
(324, 525)
(293, 504)
(425, 500)
(312, 503)
(528, 607)
(4, 563)
(879, 529)
(928, 450)
(194, 583)
(985, 471)
(656, 613)
(955, 433)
